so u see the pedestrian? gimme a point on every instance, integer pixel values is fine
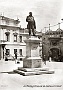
(15, 57)
(44, 58)
(6, 57)
(50, 59)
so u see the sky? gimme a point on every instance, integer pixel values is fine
(45, 12)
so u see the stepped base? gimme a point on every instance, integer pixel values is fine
(33, 71)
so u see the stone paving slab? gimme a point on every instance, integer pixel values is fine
(19, 82)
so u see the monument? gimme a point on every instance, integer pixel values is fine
(32, 63)
(32, 59)
(31, 24)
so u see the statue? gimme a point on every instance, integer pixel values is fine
(31, 24)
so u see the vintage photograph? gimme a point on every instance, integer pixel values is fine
(31, 44)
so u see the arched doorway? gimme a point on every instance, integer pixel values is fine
(55, 53)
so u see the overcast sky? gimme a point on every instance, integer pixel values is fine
(44, 11)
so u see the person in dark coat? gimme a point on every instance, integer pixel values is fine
(31, 23)
(6, 57)
(15, 57)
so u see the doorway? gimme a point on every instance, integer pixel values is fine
(55, 54)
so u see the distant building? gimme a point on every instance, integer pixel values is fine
(52, 44)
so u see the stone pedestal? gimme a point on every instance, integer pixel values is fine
(32, 59)
(32, 64)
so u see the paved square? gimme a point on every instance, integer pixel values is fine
(38, 82)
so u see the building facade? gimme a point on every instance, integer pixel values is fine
(11, 39)
(52, 44)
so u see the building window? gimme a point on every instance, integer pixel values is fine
(15, 38)
(20, 38)
(8, 51)
(54, 42)
(20, 52)
(7, 22)
(7, 36)
(15, 50)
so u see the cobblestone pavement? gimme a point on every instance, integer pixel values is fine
(38, 82)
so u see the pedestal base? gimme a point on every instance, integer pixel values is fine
(33, 71)
(32, 62)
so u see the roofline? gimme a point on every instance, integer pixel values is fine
(10, 18)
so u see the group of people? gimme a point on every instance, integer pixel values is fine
(15, 57)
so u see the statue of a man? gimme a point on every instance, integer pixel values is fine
(31, 23)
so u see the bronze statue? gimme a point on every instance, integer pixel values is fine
(31, 23)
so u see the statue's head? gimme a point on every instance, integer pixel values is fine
(30, 13)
